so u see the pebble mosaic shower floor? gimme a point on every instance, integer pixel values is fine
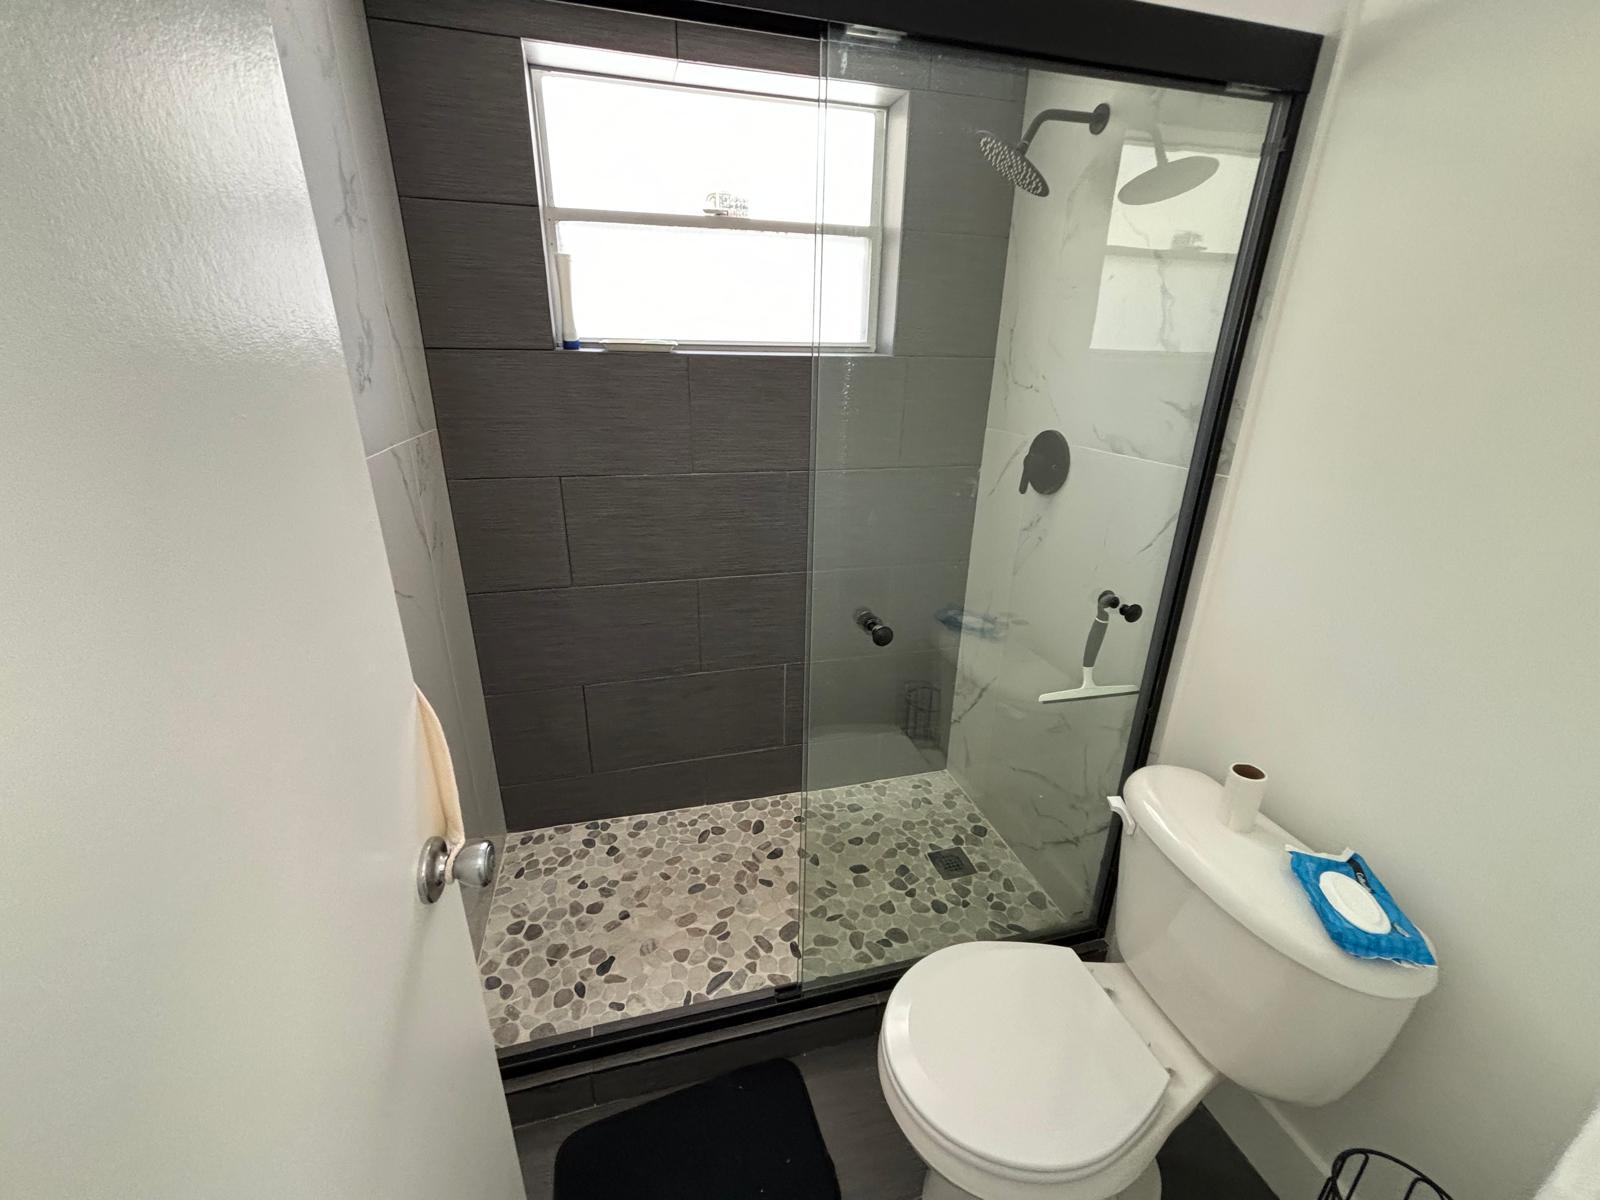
(637, 916)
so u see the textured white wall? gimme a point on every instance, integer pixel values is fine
(216, 979)
(1400, 616)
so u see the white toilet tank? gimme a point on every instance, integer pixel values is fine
(1215, 927)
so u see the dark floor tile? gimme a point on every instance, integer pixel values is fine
(870, 1154)
(1199, 1162)
(527, 1105)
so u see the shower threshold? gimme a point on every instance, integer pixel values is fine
(638, 917)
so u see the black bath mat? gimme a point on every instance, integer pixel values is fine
(747, 1135)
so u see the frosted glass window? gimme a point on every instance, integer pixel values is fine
(691, 214)
(714, 286)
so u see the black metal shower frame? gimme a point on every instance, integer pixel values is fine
(1122, 39)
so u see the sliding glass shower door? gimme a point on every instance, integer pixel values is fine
(1000, 450)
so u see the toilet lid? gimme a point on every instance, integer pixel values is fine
(1013, 1053)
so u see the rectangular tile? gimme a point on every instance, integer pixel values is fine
(901, 65)
(609, 794)
(528, 641)
(479, 275)
(751, 412)
(752, 620)
(511, 533)
(949, 294)
(539, 735)
(886, 517)
(950, 188)
(685, 526)
(956, 70)
(947, 406)
(794, 703)
(650, 721)
(575, 23)
(520, 413)
(748, 48)
(746, 776)
(456, 108)
(860, 401)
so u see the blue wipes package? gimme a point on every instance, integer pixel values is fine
(1357, 910)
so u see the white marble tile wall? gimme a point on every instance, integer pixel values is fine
(1041, 773)
(333, 93)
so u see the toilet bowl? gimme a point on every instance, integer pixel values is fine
(1019, 1072)
(962, 1056)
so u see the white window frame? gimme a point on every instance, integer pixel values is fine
(551, 215)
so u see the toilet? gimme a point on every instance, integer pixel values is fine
(1020, 1072)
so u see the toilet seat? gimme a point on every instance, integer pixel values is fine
(1013, 1057)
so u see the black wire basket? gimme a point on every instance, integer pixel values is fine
(1350, 1168)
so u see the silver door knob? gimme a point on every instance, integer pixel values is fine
(474, 866)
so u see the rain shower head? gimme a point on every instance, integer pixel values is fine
(1169, 177)
(1012, 161)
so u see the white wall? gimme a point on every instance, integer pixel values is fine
(1400, 616)
(333, 93)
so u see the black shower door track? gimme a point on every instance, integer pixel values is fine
(1122, 39)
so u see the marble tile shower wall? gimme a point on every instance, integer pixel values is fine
(1041, 773)
(634, 529)
(328, 74)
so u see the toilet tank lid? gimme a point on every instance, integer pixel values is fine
(1247, 875)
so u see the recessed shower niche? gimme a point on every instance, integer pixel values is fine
(885, 362)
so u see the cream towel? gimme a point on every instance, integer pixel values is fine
(1577, 1174)
(446, 795)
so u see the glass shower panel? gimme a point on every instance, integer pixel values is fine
(998, 480)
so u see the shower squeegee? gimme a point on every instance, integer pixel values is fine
(1107, 604)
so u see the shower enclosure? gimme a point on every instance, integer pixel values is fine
(999, 481)
(838, 665)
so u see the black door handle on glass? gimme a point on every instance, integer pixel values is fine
(880, 633)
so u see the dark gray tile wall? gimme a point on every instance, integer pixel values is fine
(634, 528)
(461, 97)
(621, 529)
(517, 414)
(478, 271)
(649, 721)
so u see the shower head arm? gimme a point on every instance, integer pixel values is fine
(1096, 121)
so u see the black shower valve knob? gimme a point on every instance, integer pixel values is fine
(1131, 612)
(880, 633)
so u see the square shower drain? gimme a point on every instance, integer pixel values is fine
(952, 863)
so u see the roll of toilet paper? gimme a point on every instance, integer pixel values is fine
(1242, 791)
